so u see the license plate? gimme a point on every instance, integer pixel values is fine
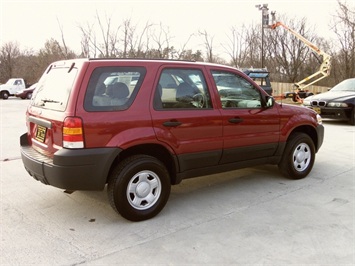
(41, 133)
(317, 109)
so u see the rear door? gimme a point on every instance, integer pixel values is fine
(184, 117)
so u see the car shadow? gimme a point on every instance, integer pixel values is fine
(191, 195)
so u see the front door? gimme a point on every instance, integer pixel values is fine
(250, 131)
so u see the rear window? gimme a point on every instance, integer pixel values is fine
(54, 88)
(113, 88)
(258, 75)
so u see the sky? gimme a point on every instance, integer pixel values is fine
(31, 23)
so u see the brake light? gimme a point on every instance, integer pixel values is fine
(73, 137)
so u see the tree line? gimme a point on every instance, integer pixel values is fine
(287, 58)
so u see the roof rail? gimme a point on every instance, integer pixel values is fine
(140, 58)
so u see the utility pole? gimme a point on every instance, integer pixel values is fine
(264, 24)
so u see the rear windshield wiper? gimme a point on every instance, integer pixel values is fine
(49, 101)
(44, 101)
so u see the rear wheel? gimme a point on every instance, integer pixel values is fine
(29, 95)
(298, 158)
(139, 187)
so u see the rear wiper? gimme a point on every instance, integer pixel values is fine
(49, 101)
(44, 101)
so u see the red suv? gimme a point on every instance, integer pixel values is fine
(141, 126)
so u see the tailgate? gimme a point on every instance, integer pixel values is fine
(51, 105)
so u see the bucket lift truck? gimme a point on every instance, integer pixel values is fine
(323, 72)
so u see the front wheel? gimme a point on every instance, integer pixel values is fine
(139, 187)
(298, 158)
(5, 95)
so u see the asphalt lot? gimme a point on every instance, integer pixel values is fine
(251, 216)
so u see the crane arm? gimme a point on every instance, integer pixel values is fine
(324, 70)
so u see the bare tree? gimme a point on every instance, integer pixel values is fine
(107, 45)
(161, 39)
(183, 53)
(133, 41)
(27, 67)
(128, 30)
(65, 48)
(288, 55)
(109, 38)
(344, 28)
(9, 53)
(253, 46)
(208, 43)
(240, 45)
(88, 41)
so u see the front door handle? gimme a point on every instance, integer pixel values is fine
(171, 123)
(235, 120)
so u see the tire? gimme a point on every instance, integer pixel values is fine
(298, 157)
(5, 95)
(139, 187)
(29, 95)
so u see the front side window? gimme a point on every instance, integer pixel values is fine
(113, 88)
(180, 88)
(235, 91)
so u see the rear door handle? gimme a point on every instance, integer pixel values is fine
(236, 120)
(171, 123)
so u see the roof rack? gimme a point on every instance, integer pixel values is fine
(140, 58)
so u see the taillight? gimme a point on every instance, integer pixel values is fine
(73, 133)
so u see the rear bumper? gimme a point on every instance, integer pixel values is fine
(82, 169)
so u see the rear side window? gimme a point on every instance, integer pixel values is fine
(113, 88)
(54, 88)
(181, 88)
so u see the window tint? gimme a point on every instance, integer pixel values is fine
(182, 88)
(54, 88)
(113, 88)
(235, 91)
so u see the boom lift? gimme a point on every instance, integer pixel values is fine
(323, 72)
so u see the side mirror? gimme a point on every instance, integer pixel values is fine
(270, 101)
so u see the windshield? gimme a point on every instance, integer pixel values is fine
(346, 85)
(54, 88)
(14, 82)
(10, 82)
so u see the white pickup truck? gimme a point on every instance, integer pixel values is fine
(11, 87)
